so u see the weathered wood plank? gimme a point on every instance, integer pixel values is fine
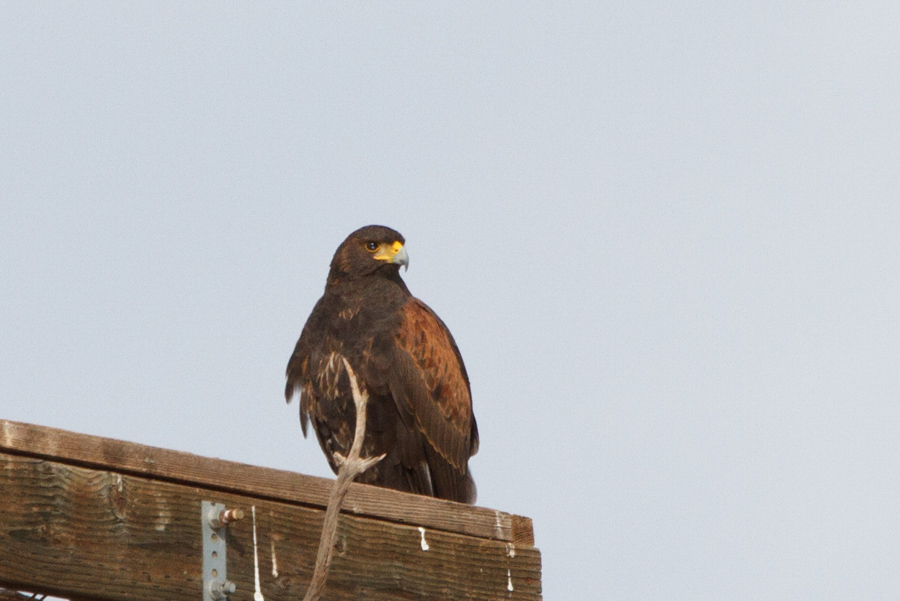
(229, 476)
(70, 530)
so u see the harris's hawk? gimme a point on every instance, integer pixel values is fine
(420, 404)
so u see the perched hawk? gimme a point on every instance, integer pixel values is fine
(420, 403)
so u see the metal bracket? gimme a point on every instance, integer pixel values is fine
(214, 520)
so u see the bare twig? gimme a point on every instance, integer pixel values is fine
(350, 467)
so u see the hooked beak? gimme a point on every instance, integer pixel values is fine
(395, 253)
(401, 258)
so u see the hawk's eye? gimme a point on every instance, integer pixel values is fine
(371, 246)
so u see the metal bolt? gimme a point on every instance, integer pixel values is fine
(220, 589)
(231, 515)
(218, 519)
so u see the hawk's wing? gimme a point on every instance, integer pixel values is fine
(429, 384)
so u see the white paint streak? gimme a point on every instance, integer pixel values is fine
(498, 525)
(163, 516)
(257, 596)
(274, 560)
(511, 553)
(425, 546)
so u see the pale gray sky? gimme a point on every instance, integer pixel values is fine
(664, 236)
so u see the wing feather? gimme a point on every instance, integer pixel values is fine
(431, 387)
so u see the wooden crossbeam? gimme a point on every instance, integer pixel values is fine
(107, 519)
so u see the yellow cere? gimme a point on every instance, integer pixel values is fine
(387, 253)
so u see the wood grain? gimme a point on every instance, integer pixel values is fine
(78, 531)
(229, 476)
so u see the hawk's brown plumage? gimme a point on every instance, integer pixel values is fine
(420, 403)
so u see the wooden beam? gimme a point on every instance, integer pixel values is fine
(73, 524)
(229, 476)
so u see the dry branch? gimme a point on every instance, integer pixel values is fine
(350, 467)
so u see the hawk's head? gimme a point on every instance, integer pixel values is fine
(369, 250)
